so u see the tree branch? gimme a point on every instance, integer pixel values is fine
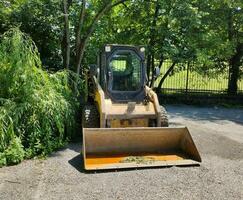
(165, 76)
(91, 29)
(100, 14)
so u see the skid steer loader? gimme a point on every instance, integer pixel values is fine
(123, 124)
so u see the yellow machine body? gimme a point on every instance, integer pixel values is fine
(124, 125)
(125, 140)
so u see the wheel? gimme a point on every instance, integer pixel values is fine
(164, 117)
(90, 116)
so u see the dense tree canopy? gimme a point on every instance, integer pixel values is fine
(69, 33)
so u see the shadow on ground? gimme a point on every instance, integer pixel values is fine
(78, 163)
(206, 113)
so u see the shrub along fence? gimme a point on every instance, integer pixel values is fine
(187, 84)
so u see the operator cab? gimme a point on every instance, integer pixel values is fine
(122, 72)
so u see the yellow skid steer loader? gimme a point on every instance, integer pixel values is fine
(123, 124)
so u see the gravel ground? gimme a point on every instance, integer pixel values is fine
(217, 132)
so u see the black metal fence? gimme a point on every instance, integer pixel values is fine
(185, 78)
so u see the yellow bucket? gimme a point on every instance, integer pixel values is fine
(114, 148)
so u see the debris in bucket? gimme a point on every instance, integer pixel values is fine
(138, 160)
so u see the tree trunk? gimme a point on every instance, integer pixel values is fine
(234, 70)
(151, 43)
(165, 76)
(236, 60)
(153, 75)
(80, 25)
(80, 55)
(66, 37)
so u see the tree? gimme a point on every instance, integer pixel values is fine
(38, 19)
(166, 27)
(68, 33)
(235, 36)
(84, 27)
(223, 38)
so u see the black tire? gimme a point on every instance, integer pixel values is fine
(90, 116)
(164, 117)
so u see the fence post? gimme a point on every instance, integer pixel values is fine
(187, 77)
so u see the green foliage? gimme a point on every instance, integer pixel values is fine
(37, 109)
(208, 32)
(14, 154)
(42, 20)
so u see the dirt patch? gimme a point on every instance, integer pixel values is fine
(138, 160)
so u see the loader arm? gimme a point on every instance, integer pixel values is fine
(99, 98)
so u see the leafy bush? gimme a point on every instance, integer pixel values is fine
(37, 108)
(15, 152)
